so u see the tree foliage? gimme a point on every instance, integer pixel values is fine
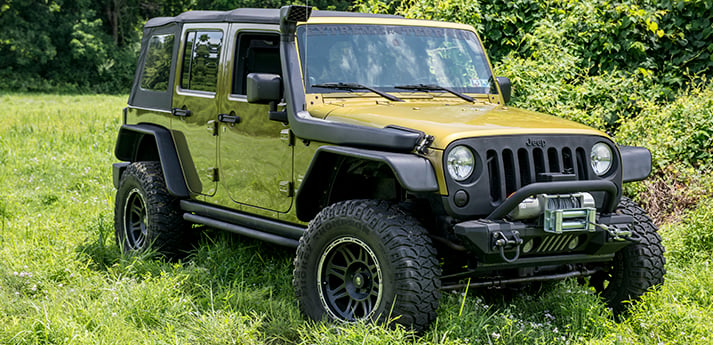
(89, 45)
(92, 45)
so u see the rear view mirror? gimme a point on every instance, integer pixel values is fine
(505, 88)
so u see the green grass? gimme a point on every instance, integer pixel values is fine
(63, 280)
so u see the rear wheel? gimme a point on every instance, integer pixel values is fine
(367, 260)
(638, 267)
(145, 214)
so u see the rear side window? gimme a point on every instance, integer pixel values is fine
(157, 66)
(201, 57)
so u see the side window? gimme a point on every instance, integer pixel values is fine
(255, 53)
(157, 66)
(201, 57)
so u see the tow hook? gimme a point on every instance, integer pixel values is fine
(502, 241)
(617, 234)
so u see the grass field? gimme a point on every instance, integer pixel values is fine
(63, 280)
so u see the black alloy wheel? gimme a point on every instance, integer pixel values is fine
(349, 279)
(135, 220)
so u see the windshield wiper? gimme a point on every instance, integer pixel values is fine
(433, 87)
(356, 86)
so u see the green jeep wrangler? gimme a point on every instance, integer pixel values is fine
(382, 149)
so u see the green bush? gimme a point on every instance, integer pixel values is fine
(679, 133)
(691, 239)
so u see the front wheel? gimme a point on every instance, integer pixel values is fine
(638, 267)
(367, 260)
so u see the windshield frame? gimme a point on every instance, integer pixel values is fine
(483, 85)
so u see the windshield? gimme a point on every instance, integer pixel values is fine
(384, 57)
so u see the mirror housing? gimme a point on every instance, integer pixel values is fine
(505, 88)
(264, 88)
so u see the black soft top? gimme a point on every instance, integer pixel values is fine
(246, 15)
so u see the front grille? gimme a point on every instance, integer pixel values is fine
(505, 164)
(509, 169)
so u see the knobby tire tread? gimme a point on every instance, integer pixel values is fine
(406, 243)
(167, 230)
(638, 267)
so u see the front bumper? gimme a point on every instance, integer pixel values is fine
(520, 244)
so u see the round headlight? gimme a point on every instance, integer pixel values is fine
(601, 158)
(460, 162)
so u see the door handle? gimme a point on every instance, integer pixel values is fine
(229, 118)
(180, 112)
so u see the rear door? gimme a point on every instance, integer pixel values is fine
(195, 105)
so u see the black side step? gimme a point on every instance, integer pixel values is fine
(241, 223)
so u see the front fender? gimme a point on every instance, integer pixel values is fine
(413, 173)
(635, 163)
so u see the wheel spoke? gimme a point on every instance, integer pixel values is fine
(355, 305)
(363, 255)
(372, 269)
(347, 254)
(349, 310)
(339, 292)
(337, 271)
(365, 307)
(137, 208)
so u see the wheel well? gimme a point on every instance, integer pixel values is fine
(134, 146)
(147, 150)
(342, 178)
(145, 142)
(363, 179)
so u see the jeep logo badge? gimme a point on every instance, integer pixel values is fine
(535, 142)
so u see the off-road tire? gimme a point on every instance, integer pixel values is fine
(146, 216)
(383, 242)
(638, 267)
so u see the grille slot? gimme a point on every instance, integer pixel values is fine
(510, 169)
(554, 244)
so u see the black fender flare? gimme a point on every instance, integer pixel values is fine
(127, 149)
(635, 163)
(414, 173)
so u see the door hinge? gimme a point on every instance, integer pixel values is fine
(287, 136)
(212, 127)
(287, 188)
(213, 174)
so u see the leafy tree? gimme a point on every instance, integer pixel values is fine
(92, 45)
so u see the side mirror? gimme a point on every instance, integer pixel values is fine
(505, 88)
(264, 88)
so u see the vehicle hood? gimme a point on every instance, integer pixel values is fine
(447, 123)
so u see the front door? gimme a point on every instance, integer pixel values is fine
(255, 153)
(195, 105)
